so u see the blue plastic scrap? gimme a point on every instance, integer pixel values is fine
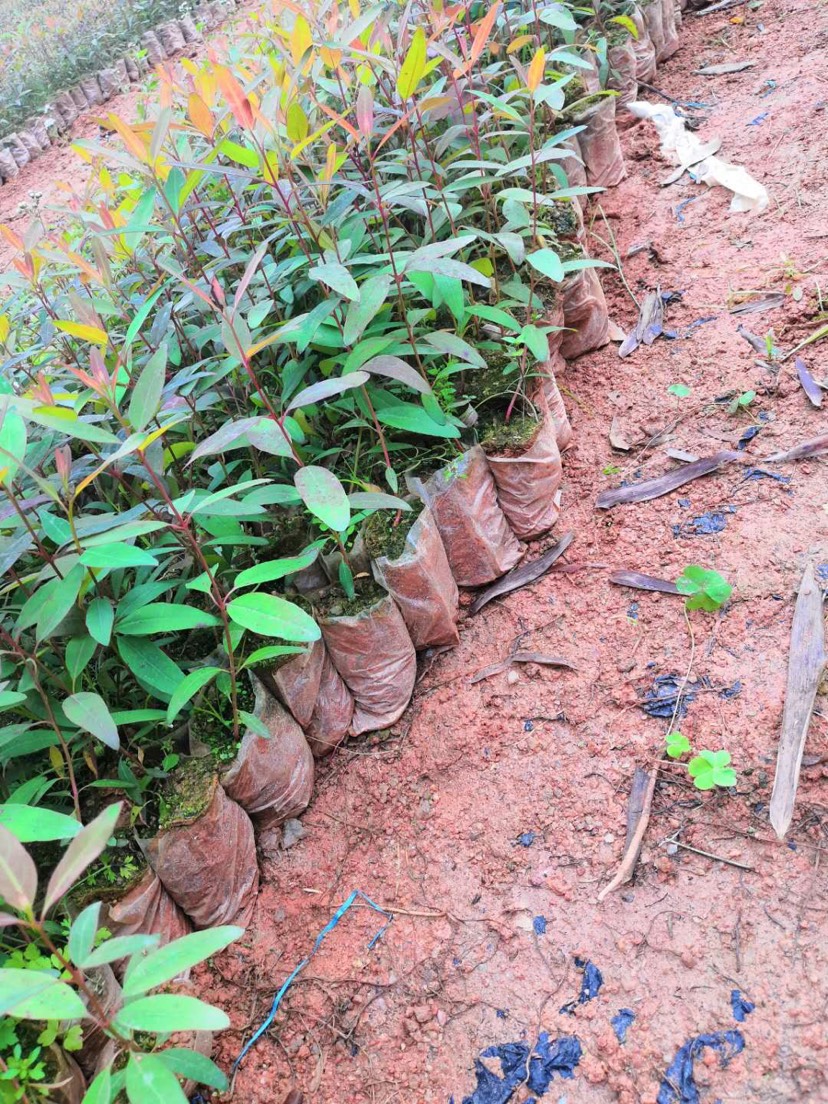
(622, 1023)
(539, 925)
(526, 839)
(761, 473)
(759, 119)
(747, 437)
(521, 1065)
(678, 1085)
(660, 701)
(354, 896)
(741, 1006)
(730, 692)
(591, 983)
(705, 525)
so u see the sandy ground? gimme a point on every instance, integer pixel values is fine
(428, 819)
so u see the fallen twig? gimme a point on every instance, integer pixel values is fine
(805, 669)
(523, 657)
(630, 858)
(710, 855)
(638, 581)
(523, 575)
(663, 484)
(815, 447)
(808, 383)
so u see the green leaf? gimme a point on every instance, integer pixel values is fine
(151, 1081)
(255, 724)
(63, 594)
(536, 341)
(82, 933)
(79, 651)
(269, 615)
(100, 1091)
(146, 393)
(122, 946)
(455, 346)
(90, 712)
(677, 744)
(193, 1066)
(242, 155)
(272, 570)
(150, 665)
(377, 500)
(166, 1012)
(173, 959)
(32, 995)
(317, 392)
(324, 496)
(547, 262)
(165, 617)
(88, 844)
(12, 445)
(18, 873)
(392, 367)
(260, 655)
(413, 419)
(188, 688)
(37, 825)
(336, 276)
(680, 390)
(626, 22)
(99, 619)
(372, 294)
(9, 698)
(413, 68)
(116, 556)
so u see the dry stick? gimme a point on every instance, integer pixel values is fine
(805, 669)
(723, 5)
(710, 855)
(630, 858)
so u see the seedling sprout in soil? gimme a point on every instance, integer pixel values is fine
(741, 402)
(677, 745)
(708, 769)
(705, 589)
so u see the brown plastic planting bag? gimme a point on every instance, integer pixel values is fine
(373, 653)
(332, 713)
(654, 18)
(585, 313)
(644, 50)
(79, 98)
(154, 50)
(29, 143)
(271, 778)
(170, 37)
(147, 909)
(622, 79)
(297, 681)
(476, 536)
(574, 169)
(670, 29)
(9, 168)
(64, 110)
(18, 151)
(131, 66)
(421, 583)
(529, 484)
(36, 126)
(92, 91)
(109, 82)
(63, 1071)
(102, 982)
(548, 386)
(188, 29)
(208, 865)
(600, 148)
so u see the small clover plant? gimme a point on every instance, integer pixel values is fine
(741, 402)
(710, 769)
(680, 390)
(677, 744)
(705, 589)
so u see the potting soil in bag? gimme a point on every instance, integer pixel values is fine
(9, 168)
(170, 37)
(574, 169)
(418, 577)
(476, 536)
(271, 777)
(205, 853)
(297, 681)
(332, 713)
(585, 313)
(373, 653)
(109, 82)
(654, 18)
(548, 385)
(670, 29)
(147, 909)
(29, 143)
(65, 109)
(527, 476)
(622, 79)
(18, 151)
(643, 48)
(154, 50)
(79, 98)
(131, 66)
(92, 91)
(188, 29)
(600, 148)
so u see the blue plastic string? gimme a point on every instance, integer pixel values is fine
(356, 895)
